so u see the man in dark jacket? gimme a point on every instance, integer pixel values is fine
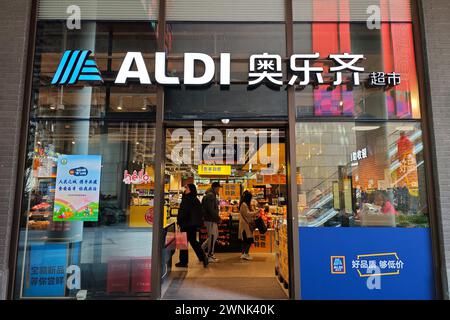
(210, 204)
(190, 220)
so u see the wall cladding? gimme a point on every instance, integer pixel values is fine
(435, 15)
(14, 31)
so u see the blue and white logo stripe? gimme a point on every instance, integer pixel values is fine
(75, 65)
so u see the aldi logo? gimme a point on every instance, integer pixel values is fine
(75, 66)
(338, 265)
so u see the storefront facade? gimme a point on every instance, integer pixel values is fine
(105, 83)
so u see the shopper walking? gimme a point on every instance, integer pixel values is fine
(210, 204)
(190, 220)
(246, 224)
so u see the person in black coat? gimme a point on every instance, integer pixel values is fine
(190, 220)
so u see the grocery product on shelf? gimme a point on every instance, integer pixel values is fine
(141, 205)
(42, 184)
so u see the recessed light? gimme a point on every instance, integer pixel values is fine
(365, 128)
(73, 142)
(119, 108)
(405, 128)
(225, 121)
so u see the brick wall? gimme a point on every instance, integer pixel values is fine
(437, 43)
(14, 24)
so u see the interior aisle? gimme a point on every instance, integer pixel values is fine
(231, 278)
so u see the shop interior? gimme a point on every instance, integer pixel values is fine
(267, 275)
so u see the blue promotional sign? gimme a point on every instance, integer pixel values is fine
(46, 276)
(366, 263)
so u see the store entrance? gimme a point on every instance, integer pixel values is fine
(239, 160)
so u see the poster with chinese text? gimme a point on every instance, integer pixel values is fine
(77, 188)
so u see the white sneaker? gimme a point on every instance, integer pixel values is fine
(247, 257)
(212, 259)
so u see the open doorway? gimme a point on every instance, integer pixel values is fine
(239, 159)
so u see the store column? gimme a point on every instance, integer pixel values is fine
(434, 15)
(14, 31)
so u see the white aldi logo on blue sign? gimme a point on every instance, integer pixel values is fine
(338, 265)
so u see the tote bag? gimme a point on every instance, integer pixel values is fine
(181, 241)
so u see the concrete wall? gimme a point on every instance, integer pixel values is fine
(14, 31)
(437, 55)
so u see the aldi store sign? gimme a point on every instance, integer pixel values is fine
(304, 69)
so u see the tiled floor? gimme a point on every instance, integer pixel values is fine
(231, 278)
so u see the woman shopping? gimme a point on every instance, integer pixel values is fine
(246, 224)
(190, 220)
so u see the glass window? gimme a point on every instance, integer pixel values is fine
(387, 48)
(351, 10)
(109, 43)
(133, 10)
(239, 39)
(78, 232)
(87, 211)
(361, 174)
(235, 103)
(225, 10)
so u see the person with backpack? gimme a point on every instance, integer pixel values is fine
(190, 220)
(211, 217)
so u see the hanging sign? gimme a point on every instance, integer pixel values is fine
(214, 170)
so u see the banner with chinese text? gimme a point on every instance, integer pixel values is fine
(373, 263)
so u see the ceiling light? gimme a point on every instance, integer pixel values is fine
(225, 121)
(144, 107)
(120, 106)
(365, 128)
(73, 142)
(405, 128)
